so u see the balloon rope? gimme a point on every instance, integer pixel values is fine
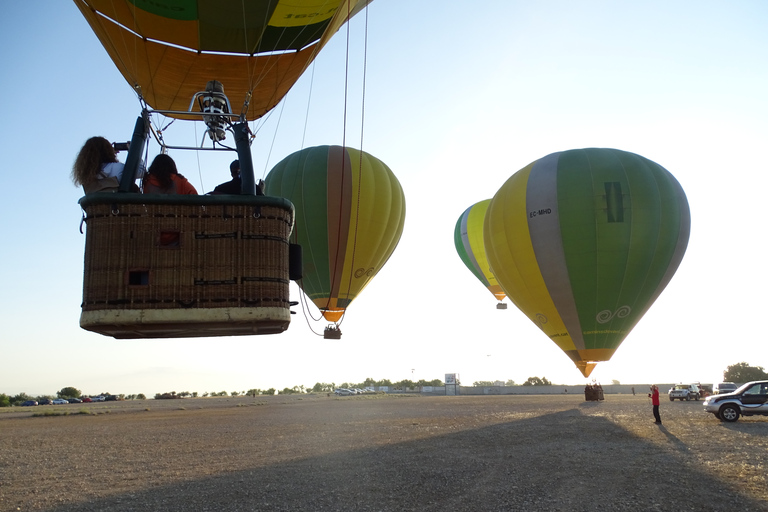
(344, 151)
(362, 155)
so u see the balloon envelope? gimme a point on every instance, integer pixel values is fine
(168, 51)
(468, 238)
(583, 242)
(350, 212)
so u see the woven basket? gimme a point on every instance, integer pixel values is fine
(161, 266)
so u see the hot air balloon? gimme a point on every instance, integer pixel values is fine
(350, 211)
(468, 238)
(583, 242)
(173, 266)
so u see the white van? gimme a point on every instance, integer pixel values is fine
(723, 388)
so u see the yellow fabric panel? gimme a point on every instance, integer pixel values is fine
(512, 260)
(169, 77)
(375, 225)
(597, 354)
(475, 222)
(295, 14)
(585, 368)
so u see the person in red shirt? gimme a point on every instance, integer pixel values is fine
(654, 394)
(164, 178)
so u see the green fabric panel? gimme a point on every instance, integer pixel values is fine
(233, 25)
(616, 260)
(596, 250)
(182, 10)
(463, 248)
(302, 178)
(291, 38)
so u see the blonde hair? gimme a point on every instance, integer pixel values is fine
(96, 152)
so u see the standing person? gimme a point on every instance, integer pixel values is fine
(654, 394)
(232, 186)
(96, 167)
(163, 178)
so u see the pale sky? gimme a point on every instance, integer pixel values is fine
(456, 101)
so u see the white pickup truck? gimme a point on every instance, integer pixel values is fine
(684, 392)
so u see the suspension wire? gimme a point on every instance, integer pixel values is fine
(199, 167)
(335, 269)
(309, 100)
(360, 163)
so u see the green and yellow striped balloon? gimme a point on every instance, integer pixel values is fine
(468, 239)
(350, 212)
(583, 242)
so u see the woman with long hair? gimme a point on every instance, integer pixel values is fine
(96, 167)
(164, 178)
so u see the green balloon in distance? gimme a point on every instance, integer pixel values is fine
(468, 239)
(350, 212)
(584, 241)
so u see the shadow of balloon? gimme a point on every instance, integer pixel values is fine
(488, 468)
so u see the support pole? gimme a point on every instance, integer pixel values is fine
(140, 132)
(247, 180)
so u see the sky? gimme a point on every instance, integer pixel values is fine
(456, 101)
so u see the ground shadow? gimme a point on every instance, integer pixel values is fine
(477, 470)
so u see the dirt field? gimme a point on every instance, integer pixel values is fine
(381, 453)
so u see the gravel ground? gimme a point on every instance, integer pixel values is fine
(381, 453)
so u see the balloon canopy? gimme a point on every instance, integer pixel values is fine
(350, 212)
(468, 238)
(583, 242)
(168, 51)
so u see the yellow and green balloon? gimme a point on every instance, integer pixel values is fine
(583, 242)
(468, 239)
(350, 212)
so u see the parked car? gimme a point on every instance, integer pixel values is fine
(344, 392)
(74, 400)
(723, 388)
(60, 401)
(97, 398)
(28, 403)
(87, 399)
(45, 401)
(749, 400)
(684, 392)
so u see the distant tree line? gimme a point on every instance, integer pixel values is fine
(739, 372)
(742, 373)
(532, 381)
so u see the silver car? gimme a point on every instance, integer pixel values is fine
(749, 400)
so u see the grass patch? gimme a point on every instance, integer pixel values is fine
(60, 413)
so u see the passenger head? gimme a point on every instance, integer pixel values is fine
(96, 152)
(162, 168)
(234, 168)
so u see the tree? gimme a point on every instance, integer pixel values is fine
(482, 383)
(742, 372)
(141, 396)
(615, 382)
(535, 381)
(5, 400)
(510, 382)
(20, 398)
(69, 392)
(320, 387)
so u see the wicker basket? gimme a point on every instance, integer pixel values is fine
(159, 266)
